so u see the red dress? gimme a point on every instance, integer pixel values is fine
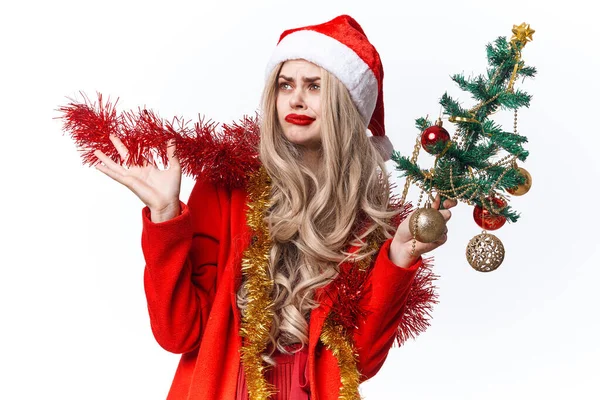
(289, 375)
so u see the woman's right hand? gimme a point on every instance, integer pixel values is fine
(158, 189)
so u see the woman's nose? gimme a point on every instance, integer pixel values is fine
(297, 99)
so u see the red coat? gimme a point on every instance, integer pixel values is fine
(191, 279)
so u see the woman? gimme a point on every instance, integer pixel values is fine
(248, 283)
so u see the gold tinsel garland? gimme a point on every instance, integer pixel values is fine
(257, 320)
(339, 342)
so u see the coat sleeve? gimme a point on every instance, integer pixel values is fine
(388, 287)
(181, 269)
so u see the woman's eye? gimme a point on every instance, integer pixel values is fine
(314, 86)
(284, 85)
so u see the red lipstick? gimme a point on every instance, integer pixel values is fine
(298, 119)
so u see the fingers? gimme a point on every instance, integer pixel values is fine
(104, 168)
(436, 202)
(110, 168)
(173, 160)
(121, 149)
(427, 247)
(449, 203)
(443, 238)
(124, 152)
(447, 214)
(148, 161)
(108, 163)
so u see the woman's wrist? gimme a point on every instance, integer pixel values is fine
(165, 213)
(400, 254)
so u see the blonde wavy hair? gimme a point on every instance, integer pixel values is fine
(313, 215)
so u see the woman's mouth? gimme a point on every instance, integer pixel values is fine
(298, 119)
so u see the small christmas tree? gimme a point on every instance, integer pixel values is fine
(470, 167)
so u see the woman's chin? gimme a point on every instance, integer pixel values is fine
(304, 139)
(313, 145)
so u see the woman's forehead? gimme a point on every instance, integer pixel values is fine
(300, 67)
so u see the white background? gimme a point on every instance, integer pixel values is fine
(74, 319)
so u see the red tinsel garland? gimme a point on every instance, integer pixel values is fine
(226, 156)
(89, 126)
(419, 304)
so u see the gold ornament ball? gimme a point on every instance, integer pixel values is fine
(520, 190)
(485, 252)
(427, 225)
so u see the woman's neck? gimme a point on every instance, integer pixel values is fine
(312, 159)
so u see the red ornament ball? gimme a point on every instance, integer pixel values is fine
(486, 219)
(432, 136)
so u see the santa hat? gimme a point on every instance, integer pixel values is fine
(341, 47)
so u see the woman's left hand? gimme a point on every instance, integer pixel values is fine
(401, 246)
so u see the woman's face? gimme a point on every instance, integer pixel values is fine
(299, 103)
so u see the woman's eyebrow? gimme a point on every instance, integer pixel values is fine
(305, 79)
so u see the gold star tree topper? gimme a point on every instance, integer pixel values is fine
(522, 33)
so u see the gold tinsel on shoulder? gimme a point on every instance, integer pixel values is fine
(257, 320)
